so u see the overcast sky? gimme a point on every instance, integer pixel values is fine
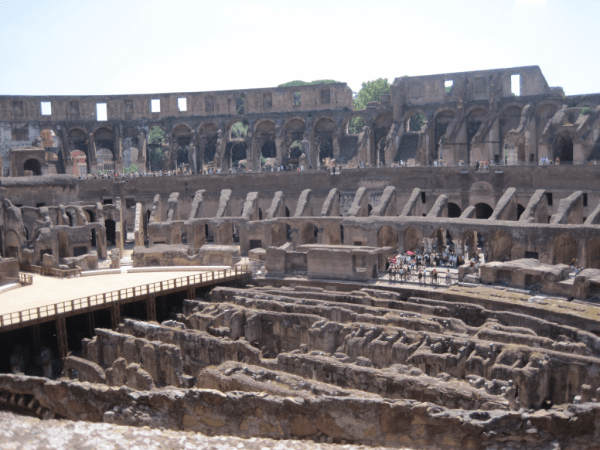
(77, 47)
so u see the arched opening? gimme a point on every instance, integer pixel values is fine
(309, 234)
(294, 133)
(454, 210)
(520, 210)
(342, 235)
(355, 125)
(500, 246)
(130, 157)
(93, 238)
(416, 122)
(413, 239)
(593, 253)
(295, 153)
(565, 249)
(325, 151)
(182, 137)
(239, 158)
(70, 217)
(442, 120)
(77, 140)
(387, 237)
(208, 137)
(32, 167)
(79, 160)
(509, 120)
(111, 234)
(260, 215)
(369, 209)
(483, 211)
(105, 159)
(91, 217)
(287, 212)
(381, 127)
(563, 148)
(239, 130)
(268, 154)
(288, 233)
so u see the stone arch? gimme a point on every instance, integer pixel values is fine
(414, 116)
(293, 130)
(472, 240)
(563, 147)
(475, 118)
(440, 238)
(500, 246)
(182, 138)
(381, 127)
(413, 239)
(104, 138)
(308, 234)
(544, 112)
(565, 249)
(33, 165)
(207, 142)
(441, 120)
(79, 161)
(323, 132)
(130, 157)
(592, 249)
(387, 236)
(105, 159)
(239, 154)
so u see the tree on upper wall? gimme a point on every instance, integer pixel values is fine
(416, 122)
(239, 130)
(156, 139)
(306, 83)
(131, 169)
(370, 91)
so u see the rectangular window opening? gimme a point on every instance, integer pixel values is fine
(423, 198)
(297, 98)
(46, 108)
(448, 86)
(549, 196)
(585, 199)
(267, 101)
(155, 105)
(107, 201)
(101, 112)
(182, 104)
(240, 105)
(209, 104)
(515, 85)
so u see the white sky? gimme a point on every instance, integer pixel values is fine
(77, 47)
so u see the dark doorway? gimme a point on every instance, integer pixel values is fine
(111, 232)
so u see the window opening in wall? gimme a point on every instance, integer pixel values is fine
(497, 159)
(74, 109)
(531, 157)
(297, 98)
(17, 108)
(515, 85)
(107, 201)
(549, 196)
(182, 104)
(46, 108)
(585, 199)
(39, 205)
(325, 96)
(239, 105)
(423, 198)
(209, 104)
(101, 112)
(448, 86)
(267, 101)
(155, 105)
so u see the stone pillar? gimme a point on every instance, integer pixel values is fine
(61, 337)
(196, 237)
(191, 293)
(115, 314)
(151, 309)
(91, 323)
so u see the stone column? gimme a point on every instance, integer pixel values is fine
(61, 337)
(115, 314)
(151, 309)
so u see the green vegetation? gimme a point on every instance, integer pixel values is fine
(156, 139)
(239, 130)
(131, 169)
(370, 91)
(306, 83)
(586, 111)
(416, 122)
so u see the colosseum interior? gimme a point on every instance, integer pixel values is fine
(198, 297)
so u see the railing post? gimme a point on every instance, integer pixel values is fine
(104, 298)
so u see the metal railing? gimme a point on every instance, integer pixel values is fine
(25, 279)
(413, 277)
(58, 273)
(92, 301)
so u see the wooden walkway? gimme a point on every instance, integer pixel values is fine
(39, 303)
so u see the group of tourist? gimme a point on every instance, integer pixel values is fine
(408, 264)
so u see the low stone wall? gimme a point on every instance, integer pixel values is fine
(363, 421)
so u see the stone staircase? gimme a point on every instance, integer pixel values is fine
(409, 146)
